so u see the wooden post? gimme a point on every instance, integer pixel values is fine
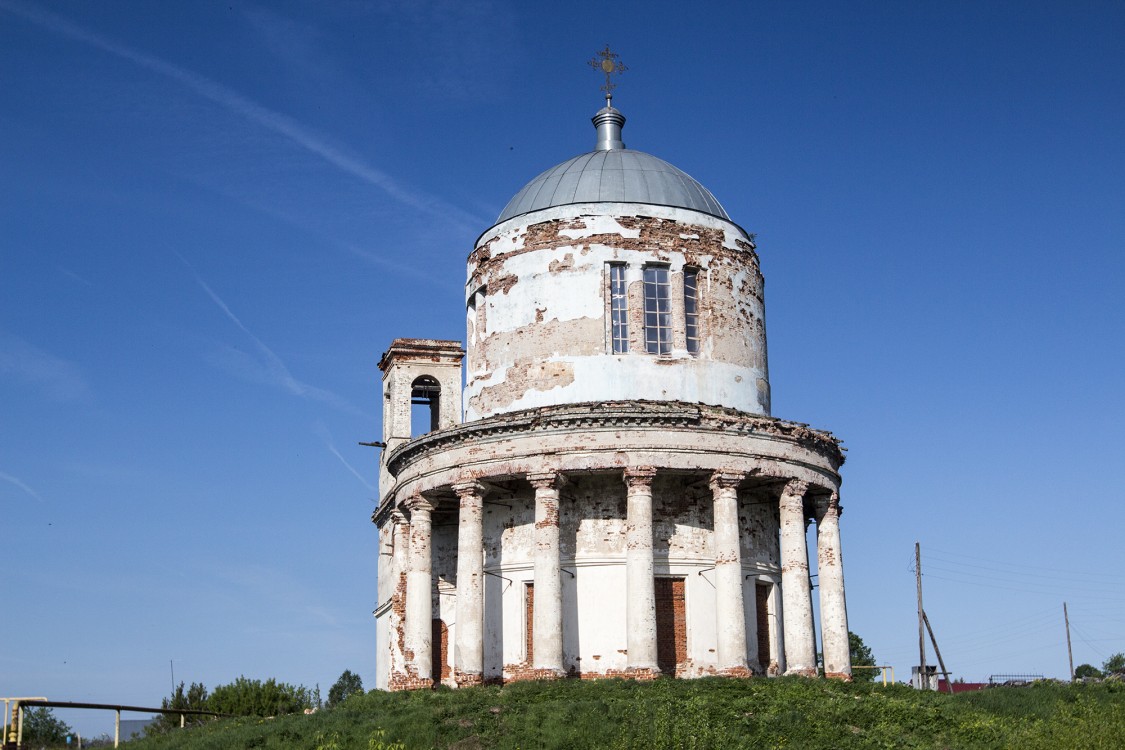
(1069, 652)
(940, 661)
(923, 678)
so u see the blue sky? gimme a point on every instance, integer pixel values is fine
(214, 217)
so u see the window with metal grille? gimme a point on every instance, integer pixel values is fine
(658, 311)
(691, 309)
(619, 309)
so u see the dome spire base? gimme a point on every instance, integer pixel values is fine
(609, 123)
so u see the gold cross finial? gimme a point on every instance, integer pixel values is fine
(607, 62)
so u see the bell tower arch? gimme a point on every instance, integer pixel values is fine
(419, 373)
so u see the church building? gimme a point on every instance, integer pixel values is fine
(603, 490)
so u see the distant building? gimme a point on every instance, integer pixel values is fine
(133, 728)
(929, 681)
(612, 496)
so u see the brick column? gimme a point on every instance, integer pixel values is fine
(830, 576)
(800, 657)
(548, 620)
(730, 613)
(419, 596)
(640, 588)
(468, 656)
(396, 636)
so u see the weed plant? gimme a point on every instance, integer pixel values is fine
(687, 715)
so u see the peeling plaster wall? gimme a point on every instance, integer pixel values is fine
(538, 311)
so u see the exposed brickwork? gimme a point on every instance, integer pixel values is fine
(671, 625)
(654, 235)
(839, 676)
(465, 679)
(440, 668)
(398, 631)
(412, 683)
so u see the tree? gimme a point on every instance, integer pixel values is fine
(1115, 663)
(41, 726)
(195, 699)
(245, 697)
(861, 657)
(1082, 671)
(348, 685)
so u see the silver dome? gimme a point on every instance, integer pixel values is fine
(615, 174)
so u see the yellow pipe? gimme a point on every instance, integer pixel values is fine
(883, 671)
(12, 731)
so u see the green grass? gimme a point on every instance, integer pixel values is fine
(689, 714)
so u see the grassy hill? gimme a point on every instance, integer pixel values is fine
(709, 713)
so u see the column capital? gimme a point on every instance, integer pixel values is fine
(639, 476)
(469, 487)
(726, 479)
(829, 505)
(546, 480)
(418, 504)
(795, 488)
(397, 517)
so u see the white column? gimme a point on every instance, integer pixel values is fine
(548, 622)
(730, 611)
(640, 589)
(419, 593)
(396, 617)
(800, 657)
(777, 632)
(468, 657)
(830, 575)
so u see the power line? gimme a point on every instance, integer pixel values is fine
(1020, 565)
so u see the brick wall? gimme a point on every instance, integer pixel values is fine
(439, 651)
(671, 625)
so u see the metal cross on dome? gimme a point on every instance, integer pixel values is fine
(607, 62)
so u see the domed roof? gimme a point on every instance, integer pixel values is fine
(613, 173)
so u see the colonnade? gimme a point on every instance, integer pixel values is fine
(547, 659)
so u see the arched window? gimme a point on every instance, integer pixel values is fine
(425, 411)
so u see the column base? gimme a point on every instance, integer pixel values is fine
(844, 676)
(740, 672)
(404, 682)
(805, 672)
(468, 679)
(642, 674)
(524, 673)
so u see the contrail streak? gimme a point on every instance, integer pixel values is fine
(252, 111)
(277, 371)
(21, 485)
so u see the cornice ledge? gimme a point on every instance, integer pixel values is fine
(614, 414)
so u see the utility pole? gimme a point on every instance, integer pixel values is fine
(940, 661)
(923, 677)
(1069, 652)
